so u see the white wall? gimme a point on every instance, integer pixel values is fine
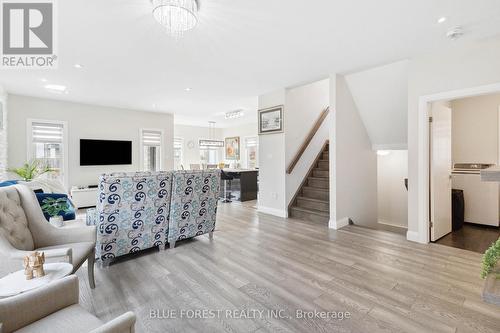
(353, 171)
(392, 195)
(243, 131)
(194, 134)
(272, 183)
(475, 129)
(3, 136)
(303, 105)
(381, 95)
(85, 122)
(460, 66)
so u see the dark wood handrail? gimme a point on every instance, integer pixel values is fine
(308, 140)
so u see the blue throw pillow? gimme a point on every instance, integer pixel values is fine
(8, 183)
(55, 204)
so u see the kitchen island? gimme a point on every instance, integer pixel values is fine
(244, 186)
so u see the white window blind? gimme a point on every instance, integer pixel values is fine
(151, 138)
(178, 142)
(47, 133)
(48, 146)
(251, 142)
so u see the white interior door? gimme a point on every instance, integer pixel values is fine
(440, 175)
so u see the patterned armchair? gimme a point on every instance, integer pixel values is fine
(194, 204)
(133, 211)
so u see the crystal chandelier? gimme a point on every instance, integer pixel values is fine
(177, 16)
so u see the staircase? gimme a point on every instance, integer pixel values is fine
(311, 202)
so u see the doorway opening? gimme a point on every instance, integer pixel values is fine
(464, 143)
(392, 190)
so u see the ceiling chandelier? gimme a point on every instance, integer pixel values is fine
(177, 16)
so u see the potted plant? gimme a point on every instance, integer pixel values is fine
(31, 170)
(54, 207)
(491, 272)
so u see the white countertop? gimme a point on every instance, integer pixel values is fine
(239, 170)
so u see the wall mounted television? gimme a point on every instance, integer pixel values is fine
(105, 152)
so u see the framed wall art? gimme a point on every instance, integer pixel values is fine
(271, 120)
(232, 148)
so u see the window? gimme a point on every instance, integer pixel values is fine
(151, 149)
(209, 151)
(47, 144)
(252, 151)
(178, 153)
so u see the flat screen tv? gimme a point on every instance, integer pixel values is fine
(105, 152)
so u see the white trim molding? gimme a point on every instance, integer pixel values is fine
(423, 197)
(272, 211)
(412, 236)
(338, 224)
(392, 224)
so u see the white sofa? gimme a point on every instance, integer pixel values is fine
(54, 308)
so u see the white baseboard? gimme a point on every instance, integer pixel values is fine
(337, 224)
(392, 224)
(272, 211)
(412, 236)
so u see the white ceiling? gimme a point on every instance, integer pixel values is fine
(381, 96)
(239, 50)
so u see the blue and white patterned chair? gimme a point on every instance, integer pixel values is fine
(133, 211)
(193, 209)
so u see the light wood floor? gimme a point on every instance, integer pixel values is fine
(261, 262)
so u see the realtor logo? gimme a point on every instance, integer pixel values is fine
(28, 34)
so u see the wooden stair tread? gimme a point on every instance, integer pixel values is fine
(311, 202)
(311, 211)
(318, 178)
(319, 189)
(312, 199)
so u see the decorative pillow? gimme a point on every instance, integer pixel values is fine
(55, 204)
(8, 183)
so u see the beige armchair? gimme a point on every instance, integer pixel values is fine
(24, 229)
(54, 308)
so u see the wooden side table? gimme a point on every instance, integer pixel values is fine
(16, 283)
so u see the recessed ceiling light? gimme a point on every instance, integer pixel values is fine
(56, 88)
(44, 80)
(188, 89)
(79, 66)
(442, 19)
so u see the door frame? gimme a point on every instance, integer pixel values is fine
(432, 186)
(423, 188)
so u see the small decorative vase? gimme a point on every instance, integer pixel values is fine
(491, 291)
(56, 221)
